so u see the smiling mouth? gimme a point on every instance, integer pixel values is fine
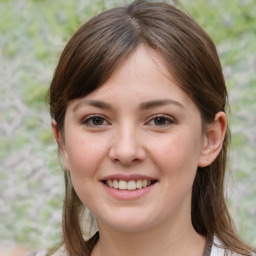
(129, 185)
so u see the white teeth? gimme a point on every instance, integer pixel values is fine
(139, 184)
(115, 184)
(123, 184)
(110, 183)
(130, 185)
(144, 183)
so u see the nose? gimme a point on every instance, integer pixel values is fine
(127, 146)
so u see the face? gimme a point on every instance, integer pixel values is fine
(133, 146)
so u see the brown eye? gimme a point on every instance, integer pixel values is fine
(95, 121)
(161, 121)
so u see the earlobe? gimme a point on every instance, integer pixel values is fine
(60, 141)
(213, 140)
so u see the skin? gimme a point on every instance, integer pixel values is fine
(127, 134)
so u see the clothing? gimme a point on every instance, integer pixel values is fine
(39, 253)
(211, 249)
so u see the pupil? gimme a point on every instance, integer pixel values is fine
(97, 121)
(160, 121)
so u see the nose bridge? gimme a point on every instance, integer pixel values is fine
(127, 146)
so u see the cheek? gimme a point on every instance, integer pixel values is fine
(178, 154)
(84, 155)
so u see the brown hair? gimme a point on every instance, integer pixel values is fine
(90, 57)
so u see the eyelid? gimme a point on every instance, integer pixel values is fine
(170, 119)
(91, 117)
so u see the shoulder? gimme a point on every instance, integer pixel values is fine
(219, 250)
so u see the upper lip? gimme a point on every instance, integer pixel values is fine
(127, 177)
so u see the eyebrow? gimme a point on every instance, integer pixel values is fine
(143, 106)
(93, 103)
(158, 103)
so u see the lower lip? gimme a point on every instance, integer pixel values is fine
(128, 194)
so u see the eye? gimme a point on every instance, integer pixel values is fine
(95, 120)
(160, 120)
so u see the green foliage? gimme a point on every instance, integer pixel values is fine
(223, 19)
(34, 94)
(45, 136)
(32, 35)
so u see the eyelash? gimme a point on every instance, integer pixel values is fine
(164, 118)
(90, 119)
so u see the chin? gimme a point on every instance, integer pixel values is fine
(129, 223)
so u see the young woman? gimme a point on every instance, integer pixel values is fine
(138, 105)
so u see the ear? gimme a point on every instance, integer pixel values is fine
(61, 143)
(213, 140)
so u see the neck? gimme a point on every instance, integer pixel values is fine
(162, 241)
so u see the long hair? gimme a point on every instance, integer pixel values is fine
(89, 59)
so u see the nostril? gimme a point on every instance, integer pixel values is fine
(127, 149)
(126, 162)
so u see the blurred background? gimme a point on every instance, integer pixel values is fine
(32, 36)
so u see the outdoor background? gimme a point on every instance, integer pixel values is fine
(32, 35)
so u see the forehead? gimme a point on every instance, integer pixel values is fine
(143, 72)
(143, 65)
(141, 77)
